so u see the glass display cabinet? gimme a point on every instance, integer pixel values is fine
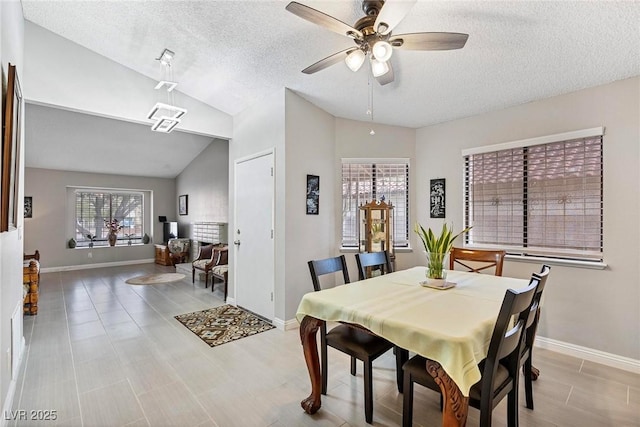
(376, 227)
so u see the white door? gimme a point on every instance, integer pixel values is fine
(253, 234)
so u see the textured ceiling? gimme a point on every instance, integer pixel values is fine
(231, 54)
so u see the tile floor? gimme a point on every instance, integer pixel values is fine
(101, 352)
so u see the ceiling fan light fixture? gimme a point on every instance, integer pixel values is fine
(379, 68)
(355, 59)
(382, 50)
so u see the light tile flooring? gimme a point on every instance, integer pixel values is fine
(104, 353)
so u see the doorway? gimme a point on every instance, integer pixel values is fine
(254, 234)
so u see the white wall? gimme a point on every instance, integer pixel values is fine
(11, 244)
(257, 129)
(64, 74)
(354, 141)
(206, 181)
(310, 149)
(50, 228)
(590, 308)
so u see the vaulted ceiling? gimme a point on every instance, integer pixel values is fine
(231, 54)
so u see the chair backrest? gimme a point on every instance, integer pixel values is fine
(477, 259)
(532, 321)
(507, 338)
(205, 252)
(321, 267)
(221, 255)
(373, 259)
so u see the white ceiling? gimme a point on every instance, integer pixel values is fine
(231, 54)
(65, 140)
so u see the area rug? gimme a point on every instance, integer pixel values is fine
(155, 279)
(223, 324)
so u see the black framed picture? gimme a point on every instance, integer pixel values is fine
(313, 194)
(183, 204)
(437, 198)
(28, 207)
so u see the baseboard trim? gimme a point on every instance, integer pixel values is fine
(285, 325)
(7, 415)
(98, 265)
(590, 354)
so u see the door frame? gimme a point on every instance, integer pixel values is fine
(256, 155)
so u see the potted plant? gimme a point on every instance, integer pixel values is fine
(437, 248)
(91, 238)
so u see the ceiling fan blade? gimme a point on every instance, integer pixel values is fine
(429, 41)
(328, 61)
(322, 19)
(387, 77)
(392, 12)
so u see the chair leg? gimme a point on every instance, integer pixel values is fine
(353, 366)
(528, 382)
(402, 356)
(193, 275)
(206, 279)
(407, 401)
(512, 408)
(486, 412)
(368, 391)
(225, 287)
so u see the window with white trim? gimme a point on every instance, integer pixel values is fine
(541, 197)
(95, 207)
(367, 180)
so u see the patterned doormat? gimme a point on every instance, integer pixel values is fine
(223, 324)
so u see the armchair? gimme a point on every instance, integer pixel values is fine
(212, 259)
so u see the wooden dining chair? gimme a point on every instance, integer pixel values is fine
(373, 260)
(529, 371)
(500, 369)
(357, 343)
(477, 260)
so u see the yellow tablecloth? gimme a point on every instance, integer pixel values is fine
(452, 327)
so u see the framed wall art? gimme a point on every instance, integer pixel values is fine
(183, 204)
(313, 194)
(437, 198)
(11, 153)
(28, 207)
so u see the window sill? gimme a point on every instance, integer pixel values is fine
(350, 250)
(593, 265)
(107, 246)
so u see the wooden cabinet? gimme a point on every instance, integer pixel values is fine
(163, 256)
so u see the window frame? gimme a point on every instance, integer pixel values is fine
(399, 245)
(103, 242)
(573, 257)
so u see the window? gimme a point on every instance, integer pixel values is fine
(538, 197)
(367, 180)
(93, 208)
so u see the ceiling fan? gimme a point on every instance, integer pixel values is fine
(372, 36)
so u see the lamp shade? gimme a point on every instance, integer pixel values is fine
(355, 60)
(379, 68)
(382, 51)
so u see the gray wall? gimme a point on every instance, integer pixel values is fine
(49, 229)
(598, 309)
(206, 181)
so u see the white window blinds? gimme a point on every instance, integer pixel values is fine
(93, 208)
(544, 199)
(363, 182)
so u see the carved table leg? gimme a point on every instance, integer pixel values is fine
(308, 329)
(456, 406)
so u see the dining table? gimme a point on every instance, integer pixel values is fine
(450, 327)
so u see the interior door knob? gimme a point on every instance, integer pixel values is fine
(236, 242)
